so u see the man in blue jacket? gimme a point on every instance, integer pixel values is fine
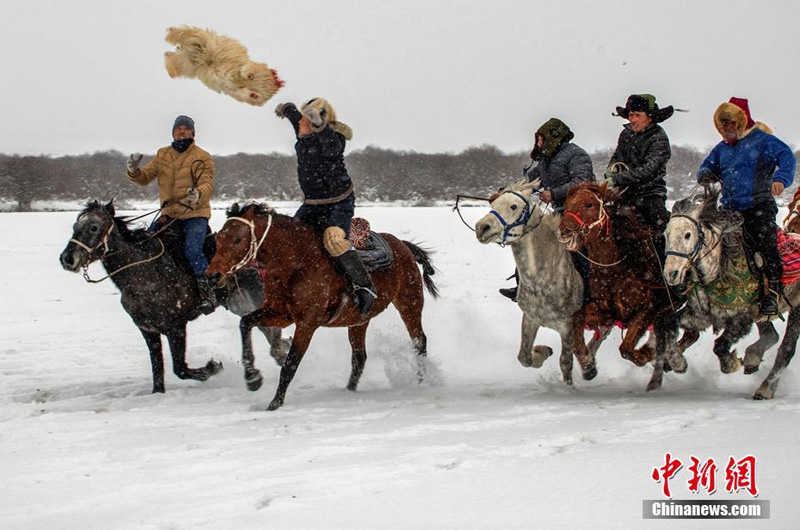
(754, 167)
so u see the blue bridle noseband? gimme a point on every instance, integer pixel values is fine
(523, 219)
(701, 241)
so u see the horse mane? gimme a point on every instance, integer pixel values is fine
(259, 209)
(121, 223)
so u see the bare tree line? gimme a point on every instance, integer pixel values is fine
(379, 174)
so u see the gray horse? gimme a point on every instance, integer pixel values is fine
(703, 247)
(550, 289)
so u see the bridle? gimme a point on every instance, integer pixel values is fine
(522, 220)
(254, 245)
(701, 241)
(601, 221)
(103, 241)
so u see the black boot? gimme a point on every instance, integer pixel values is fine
(510, 292)
(770, 299)
(208, 298)
(353, 269)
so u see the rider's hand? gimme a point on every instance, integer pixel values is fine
(706, 178)
(133, 163)
(280, 110)
(546, 196)
(609, 174)
(777, 188)
(193, 196)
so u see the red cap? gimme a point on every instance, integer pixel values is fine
(742, 104)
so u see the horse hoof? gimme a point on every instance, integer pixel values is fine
(254, 383)
(213, 367)
(275, 404)
(540, 355)
(590, 374)
(751, 369)
(729, 365)
(158, 390)
(763, 393)
(653, 385)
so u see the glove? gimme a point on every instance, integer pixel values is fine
(609, 175)
(193, 196)
(312, 114)
(280, 110)
(133, 163)
(706, 177)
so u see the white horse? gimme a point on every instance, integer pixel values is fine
(550, 289)
(701, 243)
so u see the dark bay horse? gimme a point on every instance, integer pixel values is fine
(157, 292)
(626, 282)
(302, 287)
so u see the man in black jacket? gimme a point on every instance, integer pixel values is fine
(639, 164)
(329, 201)
(559, 164)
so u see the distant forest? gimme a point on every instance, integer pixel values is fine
(380, 175)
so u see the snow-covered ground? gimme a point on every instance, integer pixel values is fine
(485, 444)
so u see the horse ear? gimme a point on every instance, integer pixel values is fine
(109, 207)
(611, 194)
(233, 210)
(533, 185)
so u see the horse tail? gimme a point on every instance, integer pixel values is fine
(422, 256)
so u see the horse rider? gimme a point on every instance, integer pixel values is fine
(329, 200)
(639, 164)
(185, 175)
(560, 164)
(753, 167)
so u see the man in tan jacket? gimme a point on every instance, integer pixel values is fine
(185, 175)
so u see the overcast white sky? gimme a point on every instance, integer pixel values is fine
(88, 75)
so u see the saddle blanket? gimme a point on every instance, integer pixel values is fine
(789, 248)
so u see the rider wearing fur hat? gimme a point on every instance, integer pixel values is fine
(639, 164)
(329, 201)
(185, 176)
(560, 164)
(753, 167)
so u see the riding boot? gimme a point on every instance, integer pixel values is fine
(511, 292)
(353, 269)
(208, 298)
(770, 298)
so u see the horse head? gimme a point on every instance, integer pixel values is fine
(512, 209)
(792, 221)
(89, 239)
(585, 214)
(239, 240)
(686, 237)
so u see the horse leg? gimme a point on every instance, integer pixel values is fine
(785, 353)
(689, 337)
(565, 360)
(153, 341)
(587, 362)
(300, 342)
(666, 332)
(767, 337)
(252, 376)
(527, 337)
(735, 329)
(409, 304)
(636, 328)
(177, 347)
(278, 346)
(357, 336)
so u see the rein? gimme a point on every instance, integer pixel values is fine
(603, 220)
(458, 210)
(252, 251)
(129, 265)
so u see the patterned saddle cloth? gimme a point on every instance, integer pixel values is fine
(740, 287)
(374, 251)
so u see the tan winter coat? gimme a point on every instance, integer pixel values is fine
(174, 173)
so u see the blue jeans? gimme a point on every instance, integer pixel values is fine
(194, 234)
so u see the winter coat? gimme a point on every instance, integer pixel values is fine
(646, 154)
(320, 160)
(748, 168)
(174, 173)
(569, 166)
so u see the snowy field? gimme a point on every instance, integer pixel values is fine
(485, 443)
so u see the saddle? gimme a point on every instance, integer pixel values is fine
(374, 251)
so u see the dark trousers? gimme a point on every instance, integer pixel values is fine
(760, 235)
(584, 268)
(322, 216)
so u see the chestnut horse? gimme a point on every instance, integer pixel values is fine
(302, 287)
(792, 221)
(626, 283)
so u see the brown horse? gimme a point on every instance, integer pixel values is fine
(302, 287)
(792, 221)
(626, 282)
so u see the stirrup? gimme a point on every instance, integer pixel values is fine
(365, 297)
(510, 293)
